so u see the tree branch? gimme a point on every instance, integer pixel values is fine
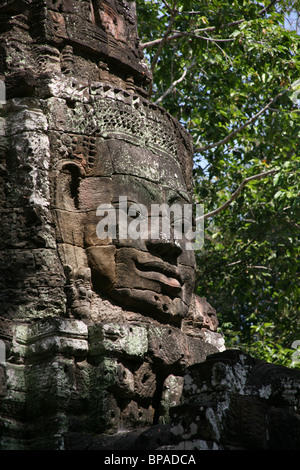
(237, 192)
(181, 34)
(178, 35)
(268, 7)
(261, 12)
(258, 267)
(167, 6)
(243, 126)
(235, 262)
(173, 85)
(168, 31)
(163, 40)
(207, 38)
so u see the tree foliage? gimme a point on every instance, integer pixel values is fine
(230, 72)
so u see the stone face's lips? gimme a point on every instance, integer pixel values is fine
(162, 272)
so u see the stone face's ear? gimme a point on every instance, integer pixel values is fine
(69, 219)
(66, 186)
(70, 223)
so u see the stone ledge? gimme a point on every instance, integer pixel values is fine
(49, 336)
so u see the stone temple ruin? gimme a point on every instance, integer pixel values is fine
(106, 346)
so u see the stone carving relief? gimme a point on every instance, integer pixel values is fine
(106, 346)
(79, 292)
(124, 148)
(99, 331)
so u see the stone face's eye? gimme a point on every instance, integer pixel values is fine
(134, 214)
(136, 211)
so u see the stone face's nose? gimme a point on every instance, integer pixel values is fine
(169, 250)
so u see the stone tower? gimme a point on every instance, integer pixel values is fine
(103, 344)
(97, 332)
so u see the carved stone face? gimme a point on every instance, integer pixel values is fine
(116, 147)
(149, 271)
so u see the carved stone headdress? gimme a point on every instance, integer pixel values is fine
(97, 109)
